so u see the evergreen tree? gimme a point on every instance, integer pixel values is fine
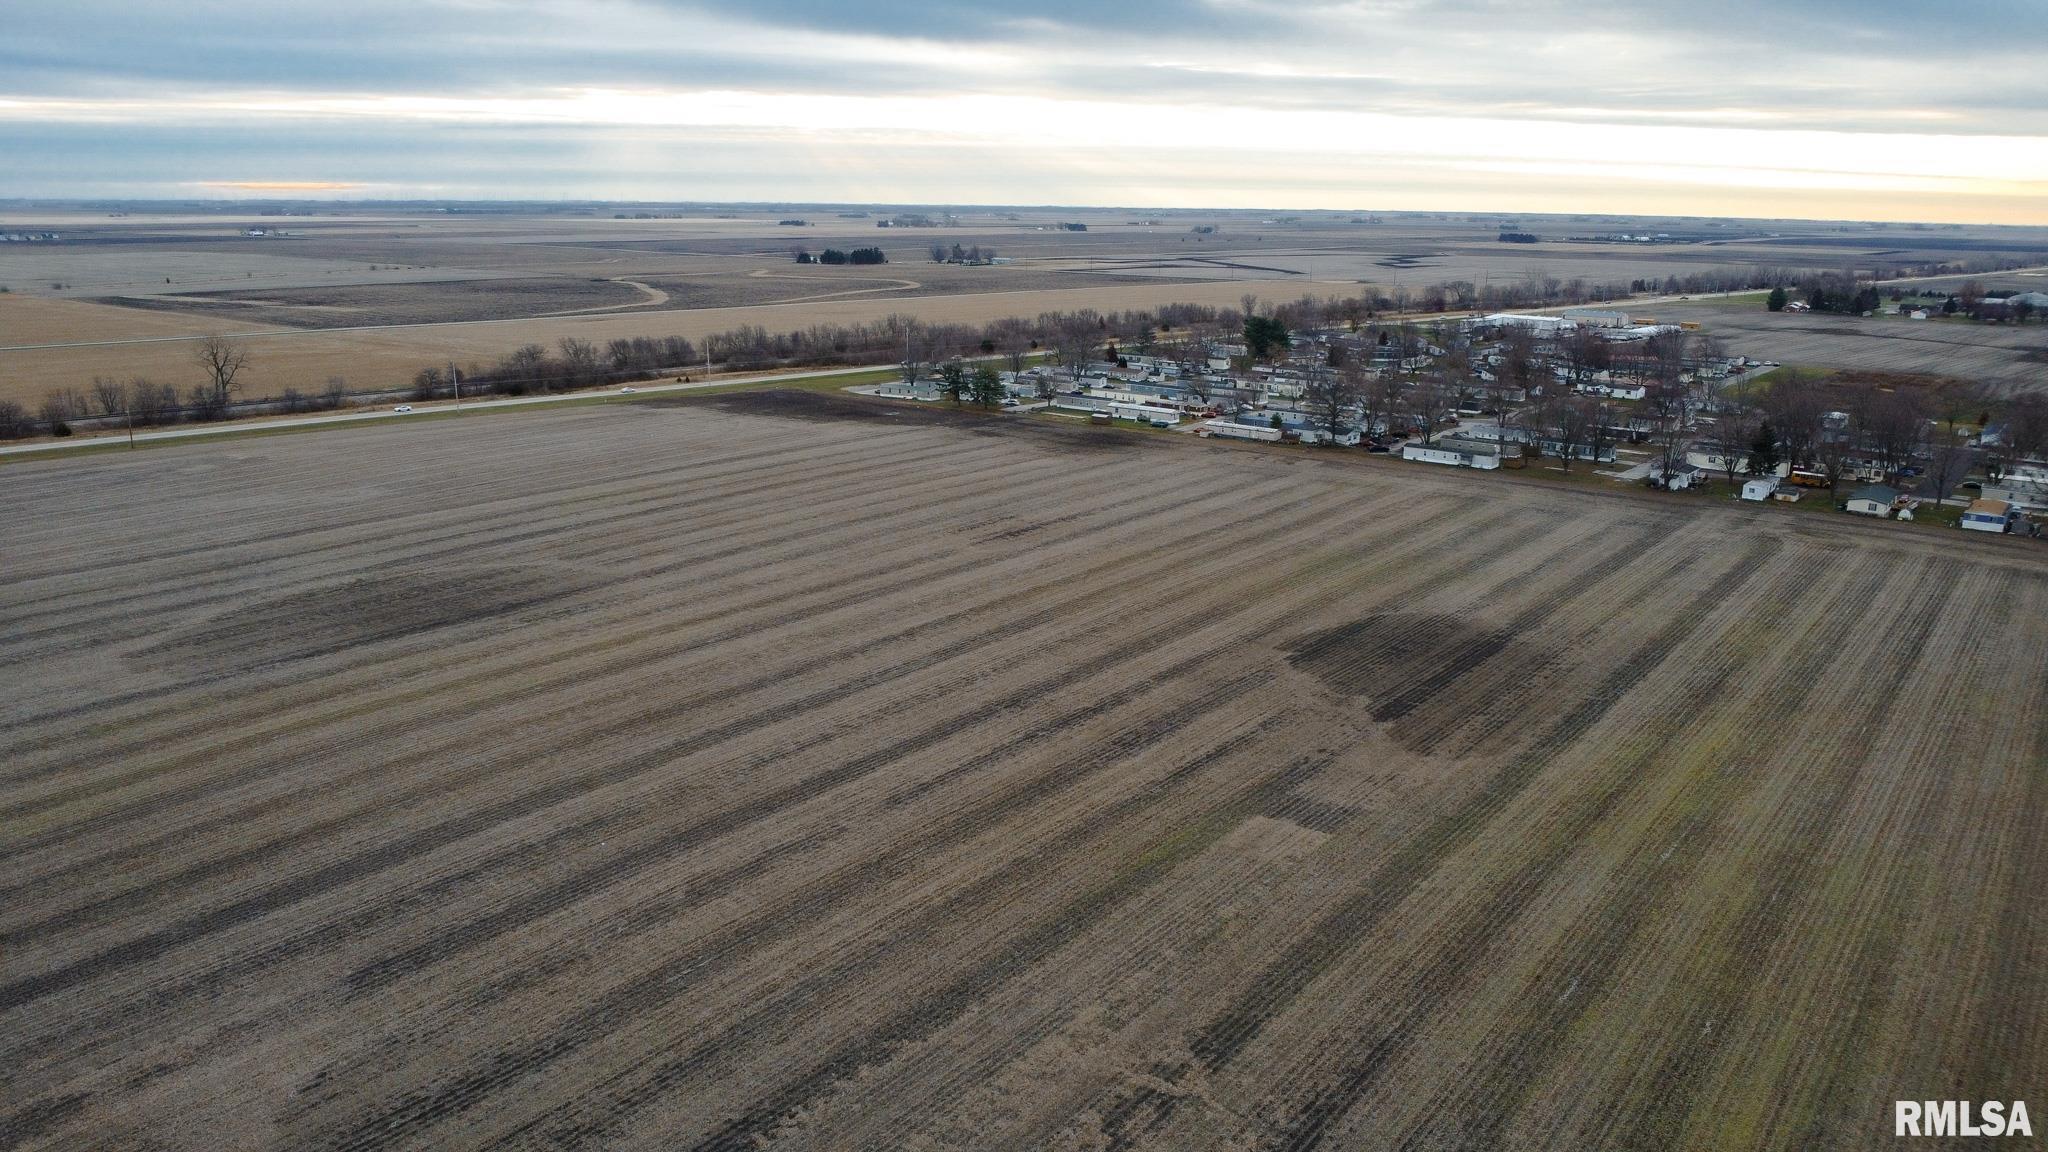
(1763, 450)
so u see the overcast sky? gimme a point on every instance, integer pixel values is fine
(1815, 108)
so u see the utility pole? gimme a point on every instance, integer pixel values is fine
(456, 379)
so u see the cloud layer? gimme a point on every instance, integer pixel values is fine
(1739, 107)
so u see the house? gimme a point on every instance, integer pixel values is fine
(1988, 516)
(1759, 489)
(1873, 500)
(1678, 477)
(1708, 457)
(1787, 494)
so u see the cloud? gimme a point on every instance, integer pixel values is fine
(282, 185)
(1745, 87)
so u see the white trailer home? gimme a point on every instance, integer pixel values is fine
(1155, 414)
(1232, 430)
(1460, 455)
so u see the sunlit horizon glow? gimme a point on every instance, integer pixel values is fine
(980, 111)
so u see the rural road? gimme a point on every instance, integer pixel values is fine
(384, 412)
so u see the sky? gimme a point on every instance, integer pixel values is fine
(1791, 108)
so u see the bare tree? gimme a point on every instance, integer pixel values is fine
(1382, 403)
(1892, 425)
(1588, 353)
(1331, 397)
(1430, 400)
(1600, 425)
(1732, 435)
(149, 402)
(110, 396)
(14, 421)
(1954, 404)
(1566, 417)
(580, 363)
(1799, 413)
(223, 361)
(203, 402)
(2026, 427)
(1074, 336)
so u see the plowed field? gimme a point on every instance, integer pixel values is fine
(690, 775)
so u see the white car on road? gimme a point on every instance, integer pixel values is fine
(403, 408)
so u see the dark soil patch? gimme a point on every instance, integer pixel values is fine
(1397, 660)
(362, 611)
(352, 305)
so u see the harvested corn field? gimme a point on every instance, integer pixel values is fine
(692, 775)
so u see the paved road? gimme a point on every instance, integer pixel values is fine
(384, 412)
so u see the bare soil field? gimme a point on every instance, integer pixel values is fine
(2009, 355)
(748, 283)
(770, 767)
(388, 356)
(478, 282)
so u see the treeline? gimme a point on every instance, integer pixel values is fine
(868, 255)
(144, 403)
(974, 254)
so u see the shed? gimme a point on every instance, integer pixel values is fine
(1759, 489)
